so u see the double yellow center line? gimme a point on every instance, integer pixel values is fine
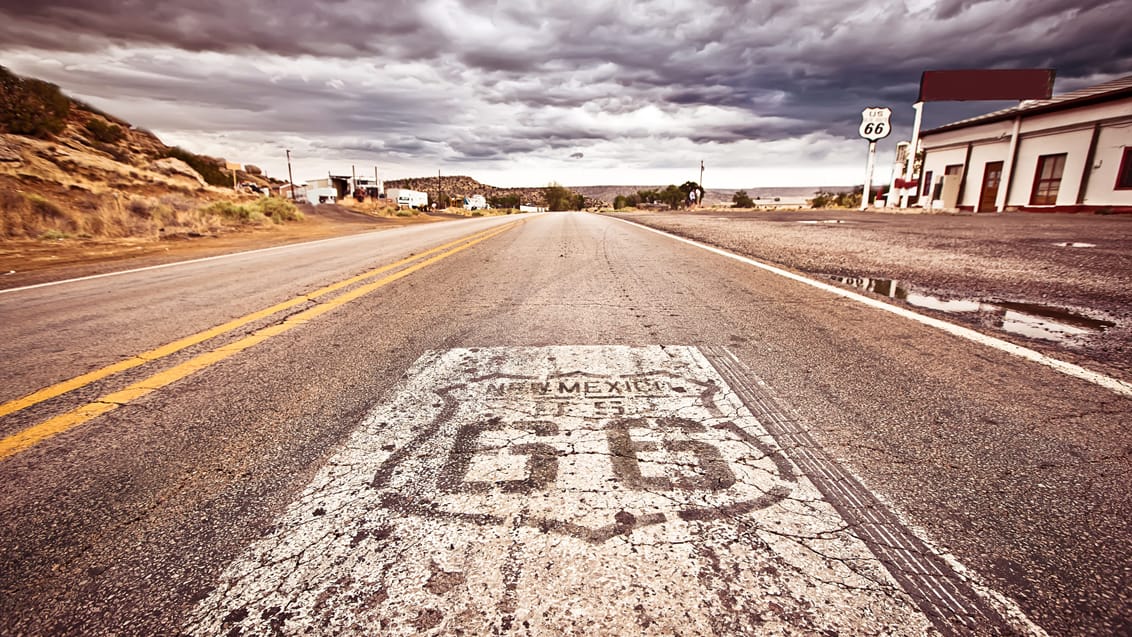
(28, 437)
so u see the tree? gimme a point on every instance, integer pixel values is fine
(619, 202)
(742, 200)
(692, 192)
(509, 200)
(559, 198)
(673, 196)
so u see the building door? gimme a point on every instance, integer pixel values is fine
(992, 175)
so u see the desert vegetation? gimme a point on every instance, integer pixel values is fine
(86, 215)
(845, 199)
(673, 196)
(31, 107)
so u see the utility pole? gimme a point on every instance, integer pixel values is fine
(438, 190)
(290, 178)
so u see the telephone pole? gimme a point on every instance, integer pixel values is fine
(290, 178)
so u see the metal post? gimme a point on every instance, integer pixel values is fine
(290, 177)
(869, 165)
(912, 151)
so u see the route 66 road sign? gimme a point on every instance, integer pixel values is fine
(874, 123)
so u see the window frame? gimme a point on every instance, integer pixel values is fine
(1047, 197)
(1125, 170)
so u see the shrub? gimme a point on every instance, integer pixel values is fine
(742, 200)
(31, 107)
(228, 210)
(103, 132)
(279, 210)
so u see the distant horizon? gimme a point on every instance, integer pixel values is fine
(630, 185)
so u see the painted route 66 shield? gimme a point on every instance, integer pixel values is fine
(874, 123)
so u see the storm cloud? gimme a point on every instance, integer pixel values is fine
(499, 89)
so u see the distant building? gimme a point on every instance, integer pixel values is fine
(475, 202)
(524, 208)
(406, 198)
(1069, 153)
(371, 186)
(322, 191)
(293, 192)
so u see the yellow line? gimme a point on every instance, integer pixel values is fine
(72, 384)
(20, 441)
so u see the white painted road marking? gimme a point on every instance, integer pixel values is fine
(1069, 369)
(560, 490)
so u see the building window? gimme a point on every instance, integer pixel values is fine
(1124, 176)
(1047, 180)
(926, 187)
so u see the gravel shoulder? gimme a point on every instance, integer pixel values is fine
(992, 261)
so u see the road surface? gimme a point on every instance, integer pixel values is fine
(561, 423)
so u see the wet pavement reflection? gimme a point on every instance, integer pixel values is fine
(1032, 320)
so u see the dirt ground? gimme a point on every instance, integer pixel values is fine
(1071, 270)
(27, 262)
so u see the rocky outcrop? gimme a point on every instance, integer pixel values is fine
(174, 167)
(9, 152)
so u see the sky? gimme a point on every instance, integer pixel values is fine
(528, 92)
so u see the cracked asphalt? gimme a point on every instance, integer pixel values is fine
(772, 458)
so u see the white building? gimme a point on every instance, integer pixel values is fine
(1069, 153)
(322, 191)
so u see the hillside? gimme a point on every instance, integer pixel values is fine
(456, 187)
(69, 170)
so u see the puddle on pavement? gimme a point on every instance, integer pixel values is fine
(1075, 244)
(1031, 320)
(814, 222)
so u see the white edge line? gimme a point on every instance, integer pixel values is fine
(200, 260)
(1069, 369)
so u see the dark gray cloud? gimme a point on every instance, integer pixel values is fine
(470, 80)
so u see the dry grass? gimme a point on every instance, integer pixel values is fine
(76, 213)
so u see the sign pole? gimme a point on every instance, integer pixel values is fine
(869, 165)
(875, 126)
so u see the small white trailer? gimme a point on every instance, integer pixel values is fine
(406, 198)
(475, 202)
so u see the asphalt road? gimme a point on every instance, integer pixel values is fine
(574, 426)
